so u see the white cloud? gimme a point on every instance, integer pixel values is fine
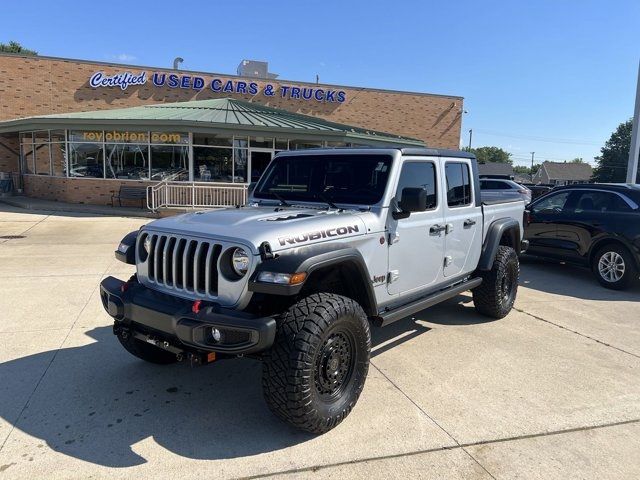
(123, 57)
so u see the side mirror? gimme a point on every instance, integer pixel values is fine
(413, 200)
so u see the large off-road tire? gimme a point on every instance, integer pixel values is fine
(146, 351)
(315, 371)
(495, 296)
(614, 267)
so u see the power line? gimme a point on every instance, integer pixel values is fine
(538, 139)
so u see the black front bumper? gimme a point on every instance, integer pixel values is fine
(143, 310)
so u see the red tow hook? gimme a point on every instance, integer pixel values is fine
(195, 308)
(124, 287)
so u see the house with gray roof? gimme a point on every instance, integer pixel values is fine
(495, 170)
(563, 173)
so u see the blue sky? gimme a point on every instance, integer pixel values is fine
(554, 77)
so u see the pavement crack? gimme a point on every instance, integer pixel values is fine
(576, 332)
(463, 446)
(432, 419)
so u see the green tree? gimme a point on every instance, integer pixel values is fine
(491, 154)
(15, 47)
(577, 160)
(524, 170)
(614, 156)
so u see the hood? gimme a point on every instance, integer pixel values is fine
(282, 227)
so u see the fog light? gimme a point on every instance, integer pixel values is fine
(216, 334)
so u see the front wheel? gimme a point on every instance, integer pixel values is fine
(614, 267)
(495, 296)
(315, 371)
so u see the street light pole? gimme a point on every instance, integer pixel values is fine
(532, 155)
(634, 151)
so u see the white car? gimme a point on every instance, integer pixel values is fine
(498, 189)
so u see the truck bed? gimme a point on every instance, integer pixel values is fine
(493, 210)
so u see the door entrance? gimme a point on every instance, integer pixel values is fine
(258, 161)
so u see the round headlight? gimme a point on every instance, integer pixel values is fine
(147, 244)
(240, 261)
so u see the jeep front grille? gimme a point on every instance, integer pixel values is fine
(184, 264)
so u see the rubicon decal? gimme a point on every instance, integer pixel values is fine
(317, 235)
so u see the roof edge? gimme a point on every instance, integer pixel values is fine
(278, 80)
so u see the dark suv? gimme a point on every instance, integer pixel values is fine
(596, 225)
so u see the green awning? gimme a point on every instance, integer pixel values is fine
(220, 114)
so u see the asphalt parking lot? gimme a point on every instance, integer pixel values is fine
(551, 391)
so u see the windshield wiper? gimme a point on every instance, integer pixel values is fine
(326, 200)
(283, 202)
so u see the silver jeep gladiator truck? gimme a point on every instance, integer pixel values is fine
(331, 242)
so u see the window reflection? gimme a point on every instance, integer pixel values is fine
(212, 164)
(86, 160)
(169, 162)
(127, 161)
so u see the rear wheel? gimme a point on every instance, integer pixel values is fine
(146, 351)
(614, 267)
(314, 373)
(496, 294)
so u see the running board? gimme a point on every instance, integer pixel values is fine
(399, 313)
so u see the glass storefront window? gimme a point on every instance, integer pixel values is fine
(118, 136)
(337, 144)
(169, 162)
(241, 162)
(80, 136)
(57, 136)
(282, 144)
(169, 137)
(127, 161)
(240, 142)
(58, 159)
(261, 142)
(212, 164)
(212, 140)
(302, 144)
(86, 160)
(26, 150)
(43, 159)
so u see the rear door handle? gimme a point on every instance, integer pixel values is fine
(469, 223)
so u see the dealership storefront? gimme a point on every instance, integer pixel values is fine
(141, 128)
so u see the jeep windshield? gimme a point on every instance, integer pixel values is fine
(351, 179)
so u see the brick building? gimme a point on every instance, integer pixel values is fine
(75, 130)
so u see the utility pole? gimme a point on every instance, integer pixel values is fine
(532, 155)
(470, 136)
(634, 151)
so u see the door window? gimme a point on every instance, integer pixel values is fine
(458, 184)
(551, 204)
(419, 175)
(492, 185)
(600, 202)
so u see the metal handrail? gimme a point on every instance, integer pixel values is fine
(175, 194)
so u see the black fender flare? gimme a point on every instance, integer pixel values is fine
(492, 241)
(308, 260)
(126, 251)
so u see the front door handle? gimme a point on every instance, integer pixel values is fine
(469, 223)
(437, 229)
